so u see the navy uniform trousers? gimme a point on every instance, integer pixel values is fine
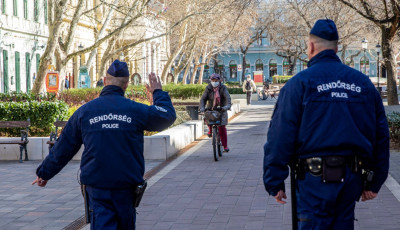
(327, 205)
(111, 209)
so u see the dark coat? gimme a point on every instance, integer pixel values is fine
(327, 109)
(111, 129)
(206, 101)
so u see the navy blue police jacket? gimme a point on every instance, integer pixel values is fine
(327, 109)
(111, 129)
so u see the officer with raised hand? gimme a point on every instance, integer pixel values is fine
(111, 129)
(330, 120)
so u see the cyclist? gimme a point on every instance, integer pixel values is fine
(216, 94)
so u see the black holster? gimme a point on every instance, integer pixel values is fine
(86, 203)
(138, 193)
(333, 168)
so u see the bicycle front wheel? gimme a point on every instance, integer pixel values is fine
(215, 143)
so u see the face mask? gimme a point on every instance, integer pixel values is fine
(215, 84)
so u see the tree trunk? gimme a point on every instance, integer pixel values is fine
(92, 54)
(204, 61)
(243, 66)
(54, 29)
(106, 56)
(196, 66)
(168, 65)
(292, 64)
(187, 70)
(388, 57)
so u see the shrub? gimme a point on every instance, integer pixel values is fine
(79, 96)
(41, 114)
(236, 91)
(18, 97)
(185, 91)
(394, 126)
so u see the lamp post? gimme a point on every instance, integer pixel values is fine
(378, 50)
(364, 44)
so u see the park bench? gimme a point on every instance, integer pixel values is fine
(54, 135)
(24, 136)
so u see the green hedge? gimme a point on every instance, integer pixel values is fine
(41, 114)
(236, 91)
(394, 126)
(16, 97)
(185, 91)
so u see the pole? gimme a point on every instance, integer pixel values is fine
(365, 64)
(293, 195)
(378, 72)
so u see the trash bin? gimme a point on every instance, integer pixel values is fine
(193, 111)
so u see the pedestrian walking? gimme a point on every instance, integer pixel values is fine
(66, 82)
(216, 95)
(330, 121)
(249, 87)
(111, 129)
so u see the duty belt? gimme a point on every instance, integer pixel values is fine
(315, 165)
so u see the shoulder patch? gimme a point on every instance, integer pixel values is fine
(160, 109)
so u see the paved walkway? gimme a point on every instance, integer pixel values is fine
(197, 193)
(192, 192)
(23, 206)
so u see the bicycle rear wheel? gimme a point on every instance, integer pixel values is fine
(219, 145)
(215, 142)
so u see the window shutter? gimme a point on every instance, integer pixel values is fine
(5, 70)
(17, 73)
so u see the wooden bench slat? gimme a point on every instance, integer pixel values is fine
(60, 123)
(14, 124)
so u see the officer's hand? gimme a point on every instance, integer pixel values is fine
(281, 195)
(40, 182)
(368, 195)
(155, 83)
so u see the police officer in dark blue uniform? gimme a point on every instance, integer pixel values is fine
(330, 120)
(111, 129)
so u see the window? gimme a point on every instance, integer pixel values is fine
(36, 10)
(26, 9)
(15, 8)
(3, 6)
(45, 11)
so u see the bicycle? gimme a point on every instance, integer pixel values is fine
(213, 118)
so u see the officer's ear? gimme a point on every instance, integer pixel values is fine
(105, 81)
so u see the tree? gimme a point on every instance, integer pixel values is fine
(385, 15)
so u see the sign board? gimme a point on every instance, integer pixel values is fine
(52, 81)
(84, 78)
(258, 76)
(239, 68)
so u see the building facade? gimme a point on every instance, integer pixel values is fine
(23, 37)
(262, 57)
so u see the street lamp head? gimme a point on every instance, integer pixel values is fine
(364, 44)
(80, 46)
(378, 48)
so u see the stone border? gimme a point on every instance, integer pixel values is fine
(160, 146)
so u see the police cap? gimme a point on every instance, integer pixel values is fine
(118, 69)
(326, 29)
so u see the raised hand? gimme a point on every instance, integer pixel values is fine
(154, 83)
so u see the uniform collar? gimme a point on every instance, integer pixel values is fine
(325, 55)
(112, 90)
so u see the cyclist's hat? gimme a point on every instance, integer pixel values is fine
(326, 29)
(118, 69)
(215, 76)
